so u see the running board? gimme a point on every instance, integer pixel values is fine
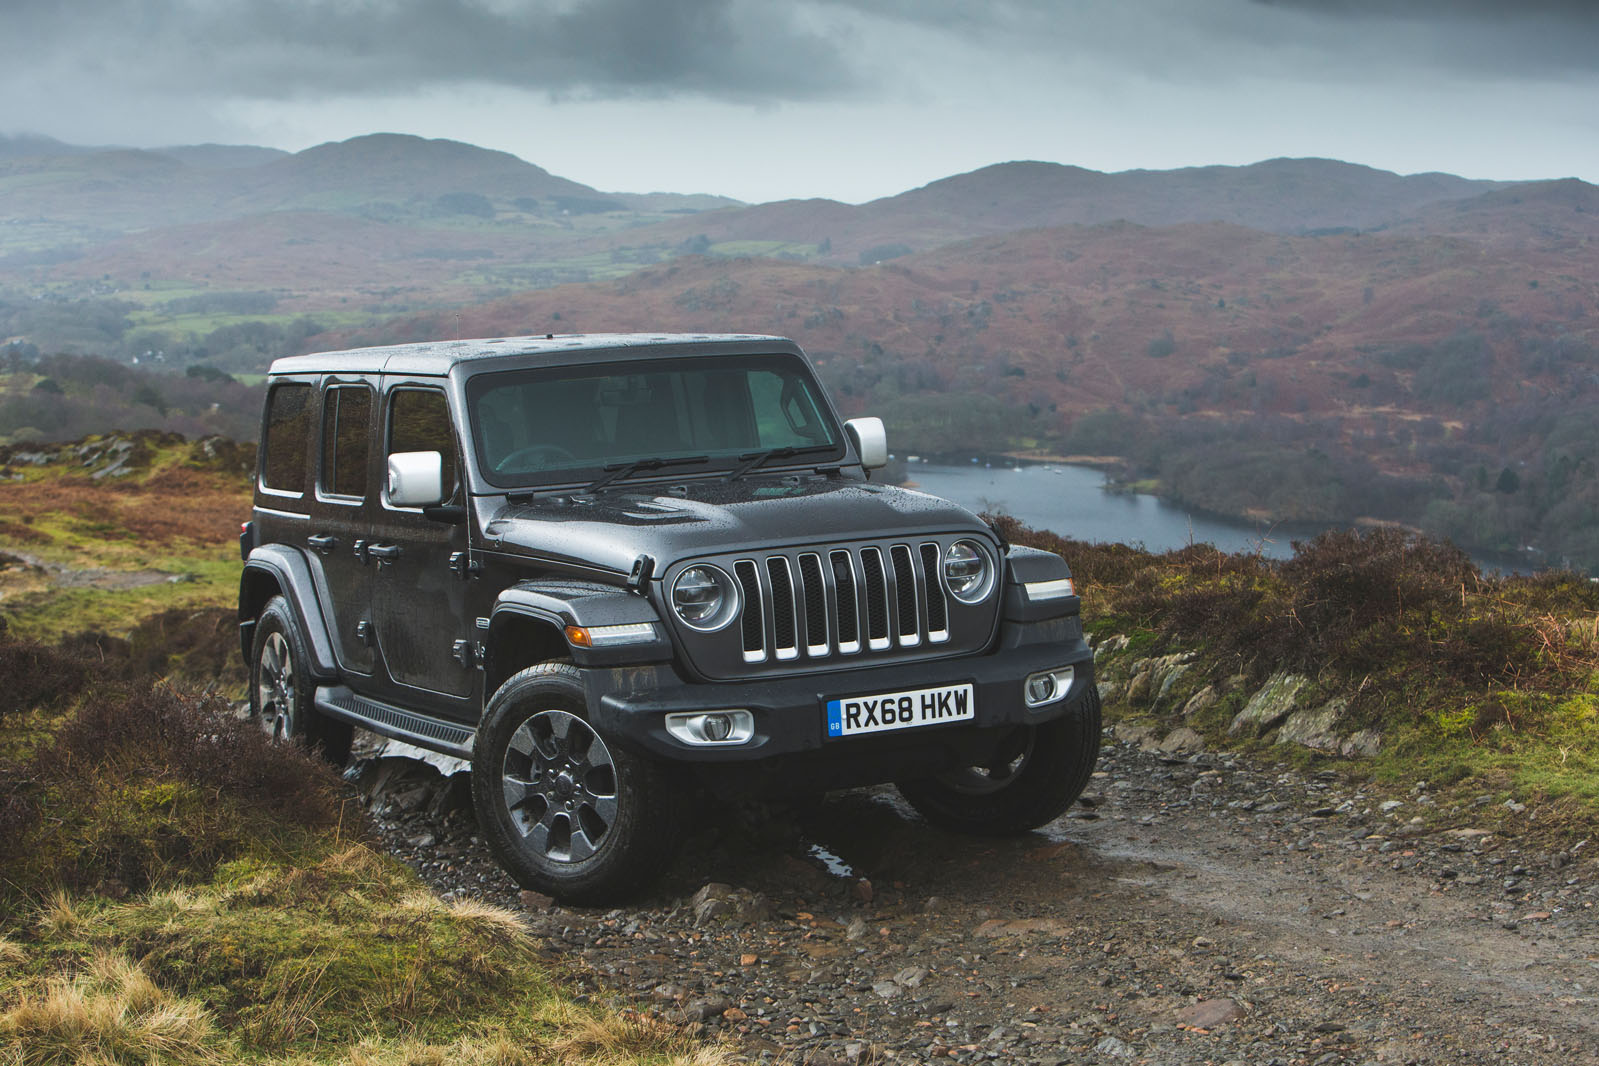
(337, 701)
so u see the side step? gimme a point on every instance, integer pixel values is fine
(337, 701)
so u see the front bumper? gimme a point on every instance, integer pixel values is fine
(630, 704)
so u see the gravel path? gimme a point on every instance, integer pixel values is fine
(1202, 910)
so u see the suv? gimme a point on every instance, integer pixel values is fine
(607, 569)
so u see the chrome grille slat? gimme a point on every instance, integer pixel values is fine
(813, 593)
(848, 614)
(754, 631)
(908, 617)
(933, 587)
(785, 621)
(877, 609)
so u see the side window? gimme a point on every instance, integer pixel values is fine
(287, 438)
(346, 420)
(419, 421)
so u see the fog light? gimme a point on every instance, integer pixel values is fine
(701, 728)
(1047, 686)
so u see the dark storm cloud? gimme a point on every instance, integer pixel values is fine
(187, 55)
(736, 49)
(1513, 39)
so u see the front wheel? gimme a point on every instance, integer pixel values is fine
(1033, 776)
(567, 813)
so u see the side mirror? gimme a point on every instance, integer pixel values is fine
(416, 479)
(871, 442)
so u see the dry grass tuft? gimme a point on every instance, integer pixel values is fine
(180, 902)
(58, 915)
(612, 1039)
(496, 924)
(11, 952)
(421, 904)
(356, 862)
(113, 1013)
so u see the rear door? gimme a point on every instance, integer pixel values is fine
(419, 602)
(342, 516)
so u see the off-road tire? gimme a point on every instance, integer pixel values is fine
(282, 690)
(1056, 761)
(568, 812)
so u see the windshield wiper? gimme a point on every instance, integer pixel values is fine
(752, 460)
(619, 471)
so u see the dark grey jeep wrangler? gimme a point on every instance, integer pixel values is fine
(611, 570)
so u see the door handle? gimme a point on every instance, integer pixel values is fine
(322, 543)
(384, 553)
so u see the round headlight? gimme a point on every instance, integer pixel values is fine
(705, 598)
(968, 571)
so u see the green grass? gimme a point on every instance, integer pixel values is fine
(53, 613)
(168, 517)
(199, 324)
(764, 249)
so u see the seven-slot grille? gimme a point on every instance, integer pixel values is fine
(840, 601)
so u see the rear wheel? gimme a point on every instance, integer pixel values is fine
(566, 812)
(1033, 777)
(282, 691)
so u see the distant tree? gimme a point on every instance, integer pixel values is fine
(47, 386)
(205, 372)
(150, 396)
(464, 203)
(1508, 483)
(1162, 346)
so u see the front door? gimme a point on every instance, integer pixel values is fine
(419, 603)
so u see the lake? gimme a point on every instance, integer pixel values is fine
(1072, 501)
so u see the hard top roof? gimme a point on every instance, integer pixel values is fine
(439, 357)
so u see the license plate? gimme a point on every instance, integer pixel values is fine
(855, 715)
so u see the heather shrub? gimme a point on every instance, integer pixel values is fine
(1367, 604)
(37, 676)
(145, 786)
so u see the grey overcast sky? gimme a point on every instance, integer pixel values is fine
(849, 99)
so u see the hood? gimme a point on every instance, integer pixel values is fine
(612, 528)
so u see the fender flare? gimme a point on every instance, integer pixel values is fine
(560, 604)
(288, 570)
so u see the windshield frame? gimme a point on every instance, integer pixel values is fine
(720, 461)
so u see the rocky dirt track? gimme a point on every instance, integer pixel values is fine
(1193, 910)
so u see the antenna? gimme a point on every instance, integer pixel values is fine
(457, 327)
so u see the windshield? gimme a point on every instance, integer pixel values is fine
(569, 424)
